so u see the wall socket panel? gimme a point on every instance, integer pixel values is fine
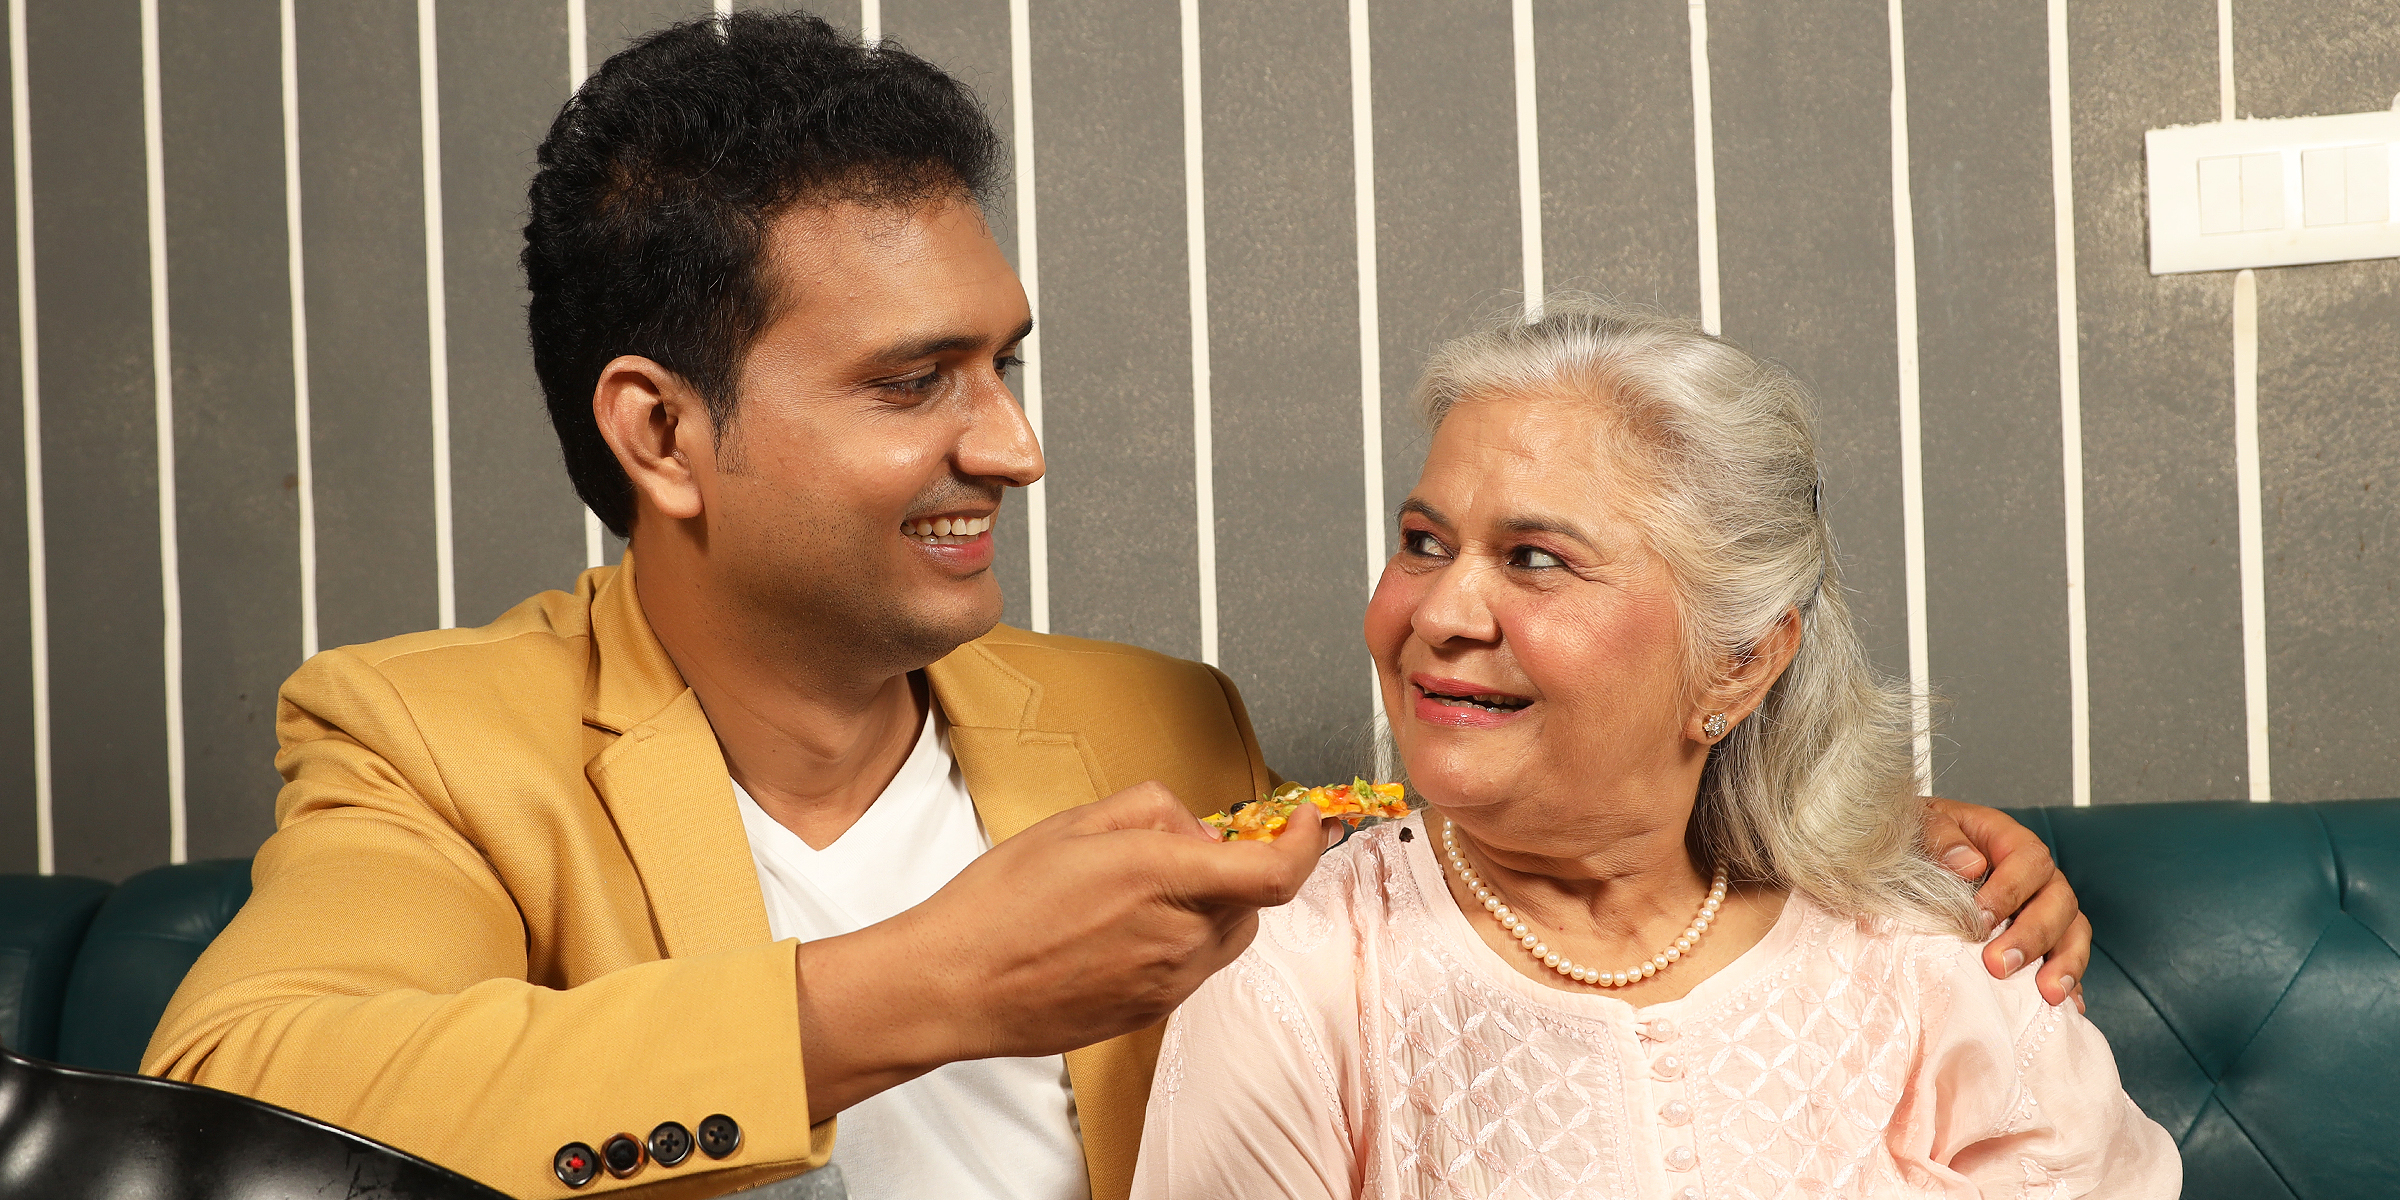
(2278, 193)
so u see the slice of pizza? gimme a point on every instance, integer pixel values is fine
(1261, 819)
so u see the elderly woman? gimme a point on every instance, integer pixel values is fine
(1663, 928)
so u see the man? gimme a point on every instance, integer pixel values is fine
(640, 887)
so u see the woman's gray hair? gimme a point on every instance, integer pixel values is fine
(1817, 790)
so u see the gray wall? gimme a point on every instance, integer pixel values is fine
(167, 551)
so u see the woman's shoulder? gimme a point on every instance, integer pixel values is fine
(1943, 977)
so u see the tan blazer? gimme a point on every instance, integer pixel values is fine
(510, 904)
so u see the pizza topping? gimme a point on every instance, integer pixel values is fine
(1261, 819)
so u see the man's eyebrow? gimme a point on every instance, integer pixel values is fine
(934, 347)
(1422, 509)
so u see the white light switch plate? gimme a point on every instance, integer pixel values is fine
(2276, 193)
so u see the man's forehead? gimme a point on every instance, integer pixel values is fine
(892, 271)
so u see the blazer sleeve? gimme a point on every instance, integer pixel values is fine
(378, 979)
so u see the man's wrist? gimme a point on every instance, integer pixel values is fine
(867, 1023)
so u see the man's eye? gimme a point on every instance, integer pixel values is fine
(1421, 542)
(1006, 363)
(916, 385)
(1534, 559)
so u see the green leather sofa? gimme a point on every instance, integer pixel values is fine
(2247, 973)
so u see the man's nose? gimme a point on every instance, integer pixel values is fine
(999, 443)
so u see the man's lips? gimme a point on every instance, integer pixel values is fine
(960, 541)
(1464, 704)
(955, 529)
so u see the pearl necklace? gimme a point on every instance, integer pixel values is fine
(1533, 944)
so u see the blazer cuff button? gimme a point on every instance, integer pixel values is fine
(719, 1136)
(623, 1155)
(670, 1144)
(576, 1164)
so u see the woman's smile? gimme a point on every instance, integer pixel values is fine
(1463, 705)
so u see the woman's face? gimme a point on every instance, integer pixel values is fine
(1525, 634)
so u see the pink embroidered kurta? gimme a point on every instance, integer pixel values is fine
(1369, 1044)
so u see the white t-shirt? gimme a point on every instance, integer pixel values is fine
(1002, 1128)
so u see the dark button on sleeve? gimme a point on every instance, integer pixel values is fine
(670, 1144)
(576, 1164)
(623, 1155)
(719, 1136)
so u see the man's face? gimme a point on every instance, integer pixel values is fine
(872, 411)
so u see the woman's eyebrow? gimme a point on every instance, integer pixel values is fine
(1537, 523)
(1422, 509)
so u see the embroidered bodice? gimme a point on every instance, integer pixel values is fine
(1369, 1044)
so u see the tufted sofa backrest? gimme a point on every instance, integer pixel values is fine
(2246, 970)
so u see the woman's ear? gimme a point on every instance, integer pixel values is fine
(1747, 680)
(659, 429)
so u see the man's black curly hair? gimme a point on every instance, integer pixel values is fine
(660, 178)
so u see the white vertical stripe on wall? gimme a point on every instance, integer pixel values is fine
(1912, 458)
(579, 64)
(2246, 488)
(437, 315)
(162, 382)
(2224, 60)
(2070, 403)
(1195, 212)
(1529, 157)
(1704, 171)
(1370, 337)
(2245, 470)
(579, 45)
(870, 21)
(724, 8)
(37, 572)
(305, 475)
(1029, 378)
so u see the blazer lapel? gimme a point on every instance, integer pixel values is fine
(665, 783)
(1019, 773)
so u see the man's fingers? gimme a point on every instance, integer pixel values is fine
(1251, 874)
(2021, 869)
(1143, 806)
(2061, 976)
(1947, 840)
(2039, 928)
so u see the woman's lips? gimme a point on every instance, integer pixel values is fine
(1459, 704)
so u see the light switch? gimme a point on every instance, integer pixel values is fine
(2235, 194)
(2369, 171)
(2324, 190)
(2262, 192)
(2221, 194)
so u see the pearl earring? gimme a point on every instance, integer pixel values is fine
(1714, 726)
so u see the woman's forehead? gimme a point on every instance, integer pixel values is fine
(1536, 448)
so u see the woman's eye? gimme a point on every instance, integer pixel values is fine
(1420, 542)
(1534, 559)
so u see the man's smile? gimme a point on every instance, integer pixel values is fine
(946, 531)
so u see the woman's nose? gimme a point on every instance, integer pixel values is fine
(1454, 608)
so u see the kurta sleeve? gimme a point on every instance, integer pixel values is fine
(2025, 1101)
(1245, 1102)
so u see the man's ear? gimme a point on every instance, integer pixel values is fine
(659, 430)
(1746, 681)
